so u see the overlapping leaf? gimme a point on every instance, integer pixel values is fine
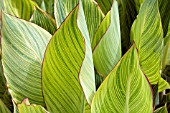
(44, 20)
(68, 67)
(25, 107)
(125, 89)
(3, 108)
(161, 110)
(39, 2)
(105, 5)
(20, 8)
(148, 35)
(49, 6)
(92, 13)
(23, 46)
(107, 43)
(163, 85)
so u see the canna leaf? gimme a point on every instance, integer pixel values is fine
(147, 34)
(162, 85)
(92, 13)
(20, 8)
(161, 110)
(3, 108)
(44, 20)
(25, 107)
(49, 6)
(39, 2)
(23, 46)
(107, 43)
(125, 89)
(68, 66)
(105, 5)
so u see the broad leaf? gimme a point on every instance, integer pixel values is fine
(147, 34)
(125, 89)
(39, 2)
(105, 5)
(49, 6)
(44, 20)
(128, 13)
(162, 85)
(161, 110)
(92, 13)
(25, 107)
(20, 8)
(107, 49)
(68, 65)
(3, 108)
(23, 46)
(165, 14)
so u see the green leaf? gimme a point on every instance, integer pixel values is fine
(105, 5)
(68, 66)
(20, 8)
(49, 6)
(23, 47)
(3, 108)
(39, 2)
(165, 14)
(92, 13)
(125, 89)
(147, 34)
(25, 107)
(161, 110)
(162, 85)
(128, 13)
(44, 20)
(107, 49)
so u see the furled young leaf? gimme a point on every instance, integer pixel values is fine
(148, 34)
(3, 108)
(25, 107)
(105, 5)
(107, 49)
(49, 6)
(128, 13)
(44, 20)
(23, 46)
(162, 85)
(165, 14)
(20, 8)
(161, 110)
(92, 13)
(68, 65)
(125, 89)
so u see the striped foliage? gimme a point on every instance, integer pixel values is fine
(68, 67)
(107, 43)
(23, 46)
(20, 8)
(44, 20)
(3, 108)
(105, 5)
(92, 13)
(148, 35)
(49, 6)
(25, 107)
(125, 89)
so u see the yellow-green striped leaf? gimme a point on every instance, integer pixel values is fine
(44, 20)
(165, 14)
(161, 110)
(107, 49)
(25, 107)
(148, 35)
(68, 73)
(20, 8)
(92, 13)
(23, 46)
(162, 85)
(3, 108)
(125, 89)
(105, 5)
